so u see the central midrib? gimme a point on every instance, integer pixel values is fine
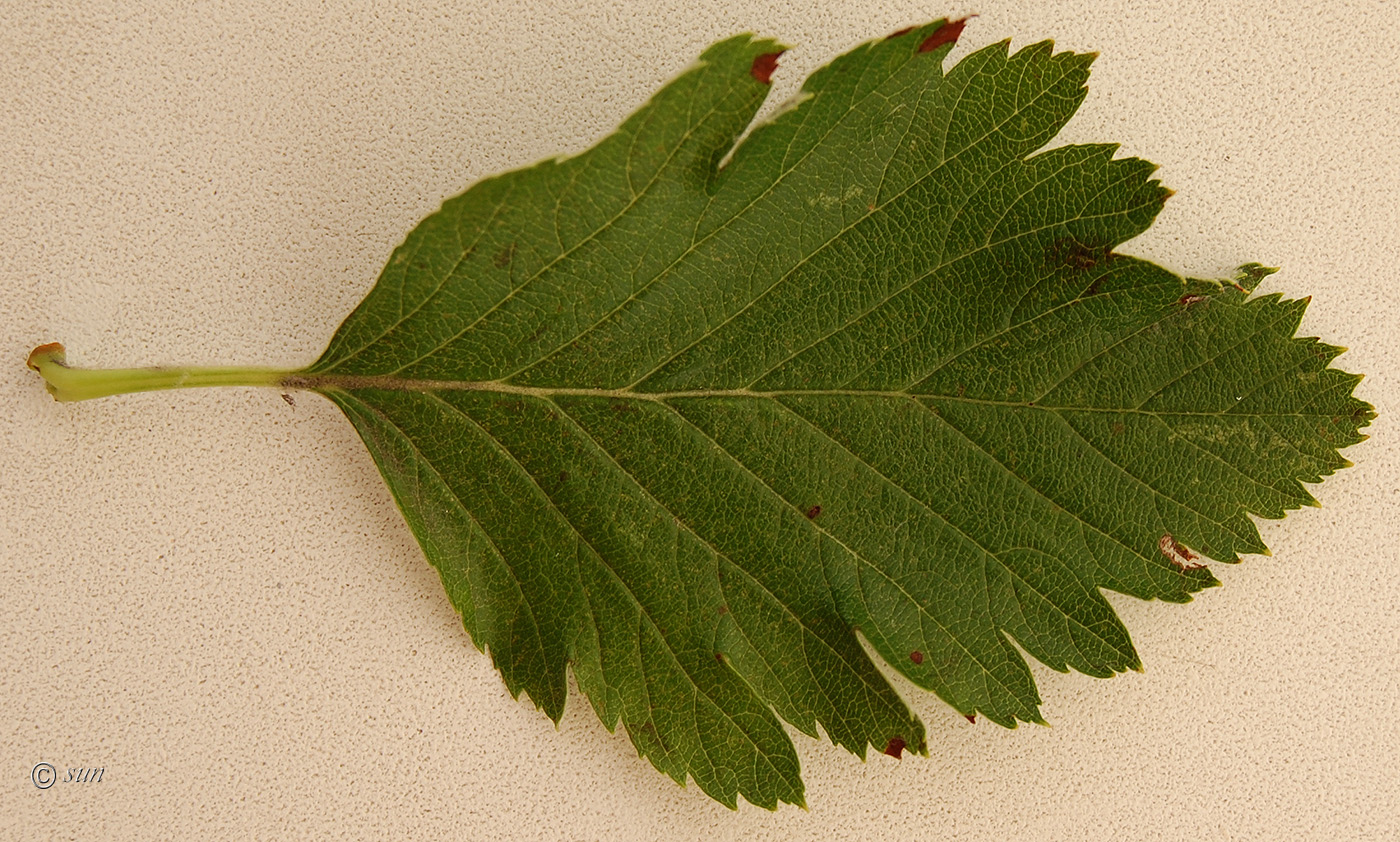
(390, 383)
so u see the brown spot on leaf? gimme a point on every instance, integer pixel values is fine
(1183, 558)
(895, 747)
(916, 656)
(946, 34)
(1118, 428)
(504, 256)
(763, 67)
(563, 476)
(289, 399)
(723, 609)
(1081, 256)
(649, 731)
(1188, 300)
(719, 656)
(813, 512)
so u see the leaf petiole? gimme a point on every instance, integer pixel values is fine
(80, 384)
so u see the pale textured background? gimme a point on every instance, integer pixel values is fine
(211, 595)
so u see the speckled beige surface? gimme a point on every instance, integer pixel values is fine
(210, 595)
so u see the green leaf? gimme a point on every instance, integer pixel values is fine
(692, 419)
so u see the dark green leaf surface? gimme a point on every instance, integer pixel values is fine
(689, 429)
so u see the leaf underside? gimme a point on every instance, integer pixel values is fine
(692, 430)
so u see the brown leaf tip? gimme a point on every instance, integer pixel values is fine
(916, 656)
(895, 747)
(898, 32)
(764, 65)
(971, 717)
(946, 34)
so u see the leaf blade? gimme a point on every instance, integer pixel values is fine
(648, 434)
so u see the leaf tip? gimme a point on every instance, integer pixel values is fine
(895, 747)
(947, 33)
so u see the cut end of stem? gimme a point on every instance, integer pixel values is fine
(47, 359)
(80, 384)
